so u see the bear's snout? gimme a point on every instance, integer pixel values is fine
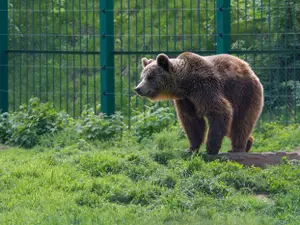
(143, 90)
(140, 91)
(137, 90)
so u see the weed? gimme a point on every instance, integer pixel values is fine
(154, 120)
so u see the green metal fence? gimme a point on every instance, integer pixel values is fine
(54, 53)
(266, 34)
(80, 52)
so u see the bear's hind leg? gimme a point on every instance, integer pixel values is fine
(193, 126)
(245, 117)
(249, 143)
(241, 139)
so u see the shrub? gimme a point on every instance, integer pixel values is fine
(99, 127)
(32, 121)
(26, 127)
(153, 120)
(4, 126)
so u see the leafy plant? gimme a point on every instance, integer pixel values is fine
(99, 127)
(153, 120)
(4, 126)
(34, 120)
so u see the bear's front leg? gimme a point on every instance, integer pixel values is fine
(193, 126)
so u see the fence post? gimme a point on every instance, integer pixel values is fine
(107, 57)
(3, 56)
(223, 26)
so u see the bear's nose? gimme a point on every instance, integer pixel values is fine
(137, 89)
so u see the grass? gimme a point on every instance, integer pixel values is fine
(151, 182)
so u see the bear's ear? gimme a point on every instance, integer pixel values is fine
(146, 61)
(163, 61)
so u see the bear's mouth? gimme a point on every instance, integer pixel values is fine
(147, 94)
(151, 94)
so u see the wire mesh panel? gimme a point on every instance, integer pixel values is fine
(54, 53)
(147, 28)
(54, 48)
(266, 34)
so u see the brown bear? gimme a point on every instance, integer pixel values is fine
(221, 88)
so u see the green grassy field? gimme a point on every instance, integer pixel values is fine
(148, 183)
(92, 170)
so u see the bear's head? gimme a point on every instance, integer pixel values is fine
(157, 79)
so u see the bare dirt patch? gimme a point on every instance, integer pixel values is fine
(3, 147)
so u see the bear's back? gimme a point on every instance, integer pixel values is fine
(230, 67)
(238, 80)
(223, 66)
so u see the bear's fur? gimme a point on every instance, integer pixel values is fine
(221, 88)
